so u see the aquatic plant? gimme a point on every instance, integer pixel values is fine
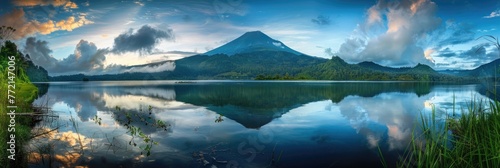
(471, 140)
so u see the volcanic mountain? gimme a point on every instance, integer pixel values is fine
(251, 42)
(255, 55)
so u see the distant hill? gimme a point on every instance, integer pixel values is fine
(419, 68)
(462, 73)
(338, 69)
(377, 67)
(36, 73)
(487, 70)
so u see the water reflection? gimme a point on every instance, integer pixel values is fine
(240, 123)
(396, 111)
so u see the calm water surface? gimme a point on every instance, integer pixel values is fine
(235, 123)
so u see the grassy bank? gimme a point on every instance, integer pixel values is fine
(471, 140)
(25, 92)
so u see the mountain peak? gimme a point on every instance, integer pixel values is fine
(256, 34)
(251, 42)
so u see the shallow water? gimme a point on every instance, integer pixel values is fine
(236, 123)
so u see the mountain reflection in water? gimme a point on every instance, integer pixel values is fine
(250, 124)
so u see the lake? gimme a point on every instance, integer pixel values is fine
(235, 123)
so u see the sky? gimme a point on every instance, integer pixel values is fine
(97, 37)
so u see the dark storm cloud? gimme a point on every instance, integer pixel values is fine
(321, 20)
(143, 40)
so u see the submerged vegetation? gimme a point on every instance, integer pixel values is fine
(136, 131)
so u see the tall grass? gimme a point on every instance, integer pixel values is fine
(25, 94)
(471, 140)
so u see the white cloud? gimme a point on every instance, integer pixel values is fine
(493, 14)
(406, 23)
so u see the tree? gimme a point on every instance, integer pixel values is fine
(5, 33)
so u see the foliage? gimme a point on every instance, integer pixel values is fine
(25, 93)
(239, 66)
(277, 65)
(5, 33)
(36, 73)
(471, 140)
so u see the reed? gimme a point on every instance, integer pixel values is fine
(471, 140)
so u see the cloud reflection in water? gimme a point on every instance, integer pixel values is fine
(317, 120)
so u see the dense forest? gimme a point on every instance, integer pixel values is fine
(278, 65)
(14, 67)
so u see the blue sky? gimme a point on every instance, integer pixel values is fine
(72, 36)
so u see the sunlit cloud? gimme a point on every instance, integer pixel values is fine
(56, 3)
(72, 23)
(407, 23)
(17, 19)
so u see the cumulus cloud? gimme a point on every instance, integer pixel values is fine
(72, 23)
(493, 14)
(16, 19)
(86, 58)
(39, 52)
(321, 20)
(406, 23)
(143, 40)
(363, 113)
